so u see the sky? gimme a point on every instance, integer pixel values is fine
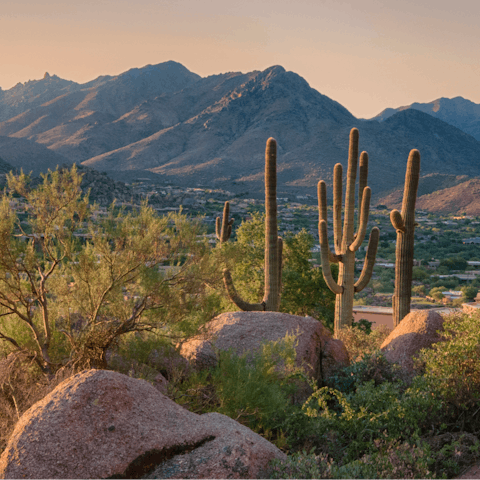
(367, 55)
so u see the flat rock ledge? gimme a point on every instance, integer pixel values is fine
(103, 424)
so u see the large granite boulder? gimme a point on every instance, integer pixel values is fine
(100, 424)
(416, 331)
(317, 351)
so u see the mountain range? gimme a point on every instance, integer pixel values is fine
(171, 124)
(458, 111)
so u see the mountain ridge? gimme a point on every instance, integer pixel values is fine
(458, 111)
(194, 130)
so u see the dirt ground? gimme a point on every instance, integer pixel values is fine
(472, 472)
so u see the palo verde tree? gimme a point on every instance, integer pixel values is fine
(136, 272)
(70, 284)
(346, 242)
(31, 251)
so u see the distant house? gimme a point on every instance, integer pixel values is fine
(471, 241)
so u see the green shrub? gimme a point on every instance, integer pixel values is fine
(372, 367)
(390, 460)
(256, 389)
(452, 367)
(301, 465)
(348, 424)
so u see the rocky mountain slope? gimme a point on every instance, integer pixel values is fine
(167, 121)
(442, 194)
(458, 111)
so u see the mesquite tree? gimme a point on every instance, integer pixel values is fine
(404, 224)
(273, 244)
(346, 242)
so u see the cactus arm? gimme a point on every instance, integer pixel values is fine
(337, 207)
(234, 297)
(322, 200)
(411, 185)
(280, 266)
(349, 216)
(362, 227)
(367, 269)
(325, 251)
(363, 175)
(223, 227)
(397, 221)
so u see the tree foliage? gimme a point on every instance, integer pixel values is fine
(304, 291)
(70, 285)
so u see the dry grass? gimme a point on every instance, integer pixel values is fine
(21, 386)
(359, 343)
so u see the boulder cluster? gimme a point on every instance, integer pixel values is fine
(104, 424)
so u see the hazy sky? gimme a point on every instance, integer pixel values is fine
(365, 54)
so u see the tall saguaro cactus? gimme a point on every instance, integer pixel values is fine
(273, 243)
(346, 243)
(223, 226)
(404, 224)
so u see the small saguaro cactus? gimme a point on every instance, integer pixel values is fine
(223, 226)
(273, 243)
(346, 243)
(404, 224)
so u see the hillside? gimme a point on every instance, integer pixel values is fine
(462, 198)
(166, 121)
(458, 111)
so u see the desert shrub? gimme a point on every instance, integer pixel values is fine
(301, 465)
(21, 386)
(372, 367)
(391, 460)
(452, 369)
(359, 342)
(256, 389)
(451, 452)
(348, 424)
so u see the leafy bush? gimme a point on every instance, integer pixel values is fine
(390, 460)
(372, 367)
(256, 389)
(348, 424)
(452, 368)
(302, 465)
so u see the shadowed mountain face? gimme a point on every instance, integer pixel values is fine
(191, 130)
(458, 111)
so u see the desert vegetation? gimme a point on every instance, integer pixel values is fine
(123, 291)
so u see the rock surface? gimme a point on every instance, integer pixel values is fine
(100, 423)
(236, 452)
(416, 331)
(317, 351)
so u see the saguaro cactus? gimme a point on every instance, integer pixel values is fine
(404, 224)
(223, 226)
(273, 243)
(346, 243)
